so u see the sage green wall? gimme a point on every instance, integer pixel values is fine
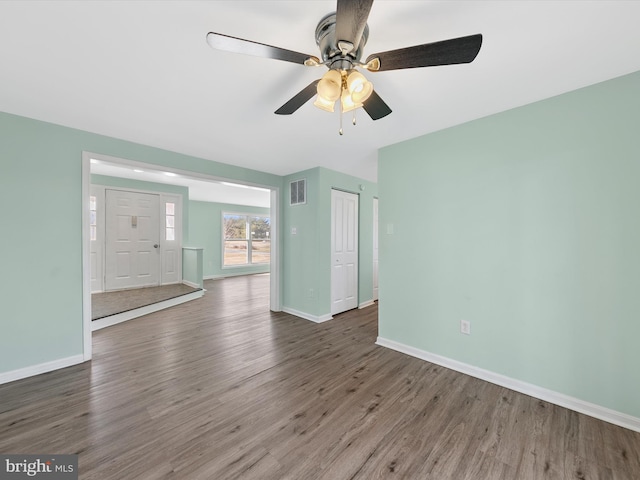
(205, 231)
(41, 254)
(307, 254)
(118, 182)
(330, 179)
(526, 224)
(192, 267)
(300, 251)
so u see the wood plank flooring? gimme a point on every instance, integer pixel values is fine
(221, 388)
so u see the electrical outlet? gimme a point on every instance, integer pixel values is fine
(310, 293)
(465, 327)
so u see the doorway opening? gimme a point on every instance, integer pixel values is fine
(103, 166)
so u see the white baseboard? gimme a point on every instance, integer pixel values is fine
(572, 403)
(191, 284)
(307, 316)
(229, 275)
(366, 304)
(25, 372)
(139, 312)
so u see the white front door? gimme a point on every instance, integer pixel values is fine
(96, 205)
(170, 238)
(375, 249)
(132, 240)
(344, 251)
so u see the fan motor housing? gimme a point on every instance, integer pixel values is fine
(328, 44)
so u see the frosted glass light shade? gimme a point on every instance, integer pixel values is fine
(330, 85)
(324, 104)
(359, 87)
(348, 103)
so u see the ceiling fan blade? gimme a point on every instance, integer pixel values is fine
(446, 52)
(248, 47)
(299, 99)
(351, 18)
(375, 107)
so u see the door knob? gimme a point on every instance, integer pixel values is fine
(155, 245)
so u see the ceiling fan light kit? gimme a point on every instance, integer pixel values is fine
(350, 87)
(347, 102)
(359, 87)
(323, 104)
(330, 86)
(341, 37)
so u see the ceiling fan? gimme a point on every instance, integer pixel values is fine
(341, 37)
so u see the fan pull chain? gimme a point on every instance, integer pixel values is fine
(354, 117)
(341, 132)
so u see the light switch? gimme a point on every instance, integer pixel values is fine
(294, 230)
(389, 228)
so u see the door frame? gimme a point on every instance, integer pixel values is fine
(102, 219)
(376, 249)
(275, 268)
(357, 246)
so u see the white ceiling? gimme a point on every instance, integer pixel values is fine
(199, 189)
(142, 71)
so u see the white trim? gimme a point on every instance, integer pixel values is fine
(32, 370)
(344, 303)
(249, 239)
(274, 265)
(139, 312)
(140, 190)
(376, 249)
(366, 304)
(307, 316)
(97, 246)
(237, 274)
(214, 277)
(179, 171)
(572, 403)
(163, 198)
(275, 289)
(231, 268)
(86, 259)
(190, 284)
(176, 244)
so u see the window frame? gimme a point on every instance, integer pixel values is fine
(166, 216)
(248, 238)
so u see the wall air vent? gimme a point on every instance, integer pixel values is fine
(298, 192)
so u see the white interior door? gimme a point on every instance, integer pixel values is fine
(375, 249)
(344, 251)
(132, 240)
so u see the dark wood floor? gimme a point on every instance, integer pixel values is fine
(220, 388)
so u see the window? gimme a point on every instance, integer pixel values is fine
(170, 221)
(93, 218)
(246, 239)
(260, 242)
